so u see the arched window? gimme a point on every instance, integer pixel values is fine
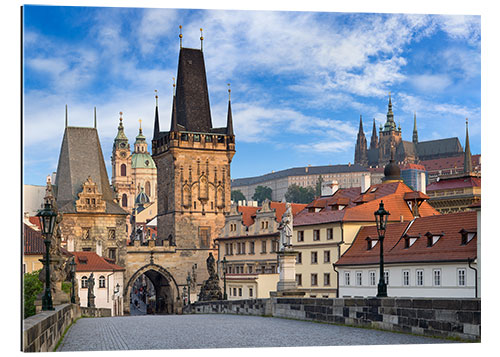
(123, 170)
(102, 281)
(84, 282)
(124, 200)
(148, 189)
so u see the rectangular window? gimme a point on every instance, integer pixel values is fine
(359, 278)
(326, 256)
(406, 278)
(299, 258)
(298, 279)
(251, 248)
(373, 279)
(227, 249)
(204, 236)
(300, 236)
(386, 277)
(230, 248)
(250, 292)
(461, 277)
(234, 292)
(263, 247)
(208, 138)
(329, 233)
(243, 247)
(314, 279)
(240, 291)
(250, 269)
(326, 279)
(314, 257)
(347, 278)
(316, 234)
(437, 277)
(112, 253)
(420, 277)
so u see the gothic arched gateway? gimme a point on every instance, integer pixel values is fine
(168, 300)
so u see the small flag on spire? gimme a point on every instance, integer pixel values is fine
(180, 35)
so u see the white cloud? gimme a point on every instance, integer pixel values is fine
(462, 27)
(431, 82)
(154, 24)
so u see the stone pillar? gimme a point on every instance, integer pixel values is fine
(287, 270)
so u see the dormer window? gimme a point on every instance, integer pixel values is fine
(409, 241)
(432, 238)
(370, 243)
(467, 236)
(373, 189)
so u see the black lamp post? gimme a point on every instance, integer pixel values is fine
(72, 265)
(381, 216)
(184, 295)
(47, 221)
(188, 280)
(224, 266)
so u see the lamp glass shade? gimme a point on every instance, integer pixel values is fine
(47, 219)
(381, 216)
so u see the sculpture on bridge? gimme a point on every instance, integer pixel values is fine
(90, 292)
(286, 229)
(210, 289)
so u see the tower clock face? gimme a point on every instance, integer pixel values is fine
(122, 145)
(123, 154)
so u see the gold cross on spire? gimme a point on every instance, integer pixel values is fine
(229, 90)
(121, 113)
(180, 35)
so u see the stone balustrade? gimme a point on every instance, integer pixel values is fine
(444, 318)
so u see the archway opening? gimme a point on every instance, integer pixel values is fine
(151, 293)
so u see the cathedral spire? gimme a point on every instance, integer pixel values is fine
(156, 131)
(360, 124)
(229, 126)
(467, 154)
(390, 125)
(415, 133)
(374, 139)
(66, 117)
(95, 118)
(360, 153)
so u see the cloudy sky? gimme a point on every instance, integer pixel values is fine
(299, 80)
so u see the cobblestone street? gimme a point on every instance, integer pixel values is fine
(218, 331)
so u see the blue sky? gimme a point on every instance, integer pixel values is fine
(299, 80)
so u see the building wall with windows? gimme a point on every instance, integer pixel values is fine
(250, 286)
(410, 280)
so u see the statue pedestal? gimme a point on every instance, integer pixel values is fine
(287, 286)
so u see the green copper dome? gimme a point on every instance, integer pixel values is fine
(142, 160)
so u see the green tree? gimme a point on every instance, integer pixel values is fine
(32, 286)
(261, 193)
(297, 194)
(319, 182)
(237, 195)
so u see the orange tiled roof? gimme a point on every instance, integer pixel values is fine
(91, 261)
(36, 221)
(448, 248)
(393, 195)
(249, 213)
(459, 182)
(33, 241)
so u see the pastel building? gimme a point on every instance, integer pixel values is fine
(432, 256)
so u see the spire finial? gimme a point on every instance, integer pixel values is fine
(140, 124)
(201, 38)
(180, 35)
(229, 90)
(95, 118)
(173, 84)
(121, 113)
(66, 117)
(156, 96)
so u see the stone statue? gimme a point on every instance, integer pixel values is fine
(286, 228)
(211, 266)
(90, 292)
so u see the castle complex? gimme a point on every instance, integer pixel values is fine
(390, 141)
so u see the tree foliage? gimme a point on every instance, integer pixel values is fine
(261, 193)
(237, 195)
(32, 286)
(319, 182)
(297, 194)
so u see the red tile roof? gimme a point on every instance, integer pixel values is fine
(91, 261)
(449, 163)
(249, 213)
(459, 182)
(448, 248)
(412, 166)
(393, 195)
(36, 221)
(33, 241)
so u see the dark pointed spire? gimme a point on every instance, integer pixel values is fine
(156, 131)
(467, 154)
(415, 133)
(360, 124)
(229, 126)
(66, 117)
(173, 122)
(374, 139)
(360, 152)
(95, 118)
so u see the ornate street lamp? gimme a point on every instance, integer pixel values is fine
(184, 295)
(188, 280)
(72, 265)
(224, 266)
(381, 216)
(47, 221)
(117, 289)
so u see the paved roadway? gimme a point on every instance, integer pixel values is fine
(218, 331)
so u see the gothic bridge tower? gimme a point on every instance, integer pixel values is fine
(194, 163)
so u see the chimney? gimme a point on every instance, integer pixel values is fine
(365, 182)
(421, 184)
(328, 188)
(401, 218)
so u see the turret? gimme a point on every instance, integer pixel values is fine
(360, 154)
(467, 154)
(415, 133)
